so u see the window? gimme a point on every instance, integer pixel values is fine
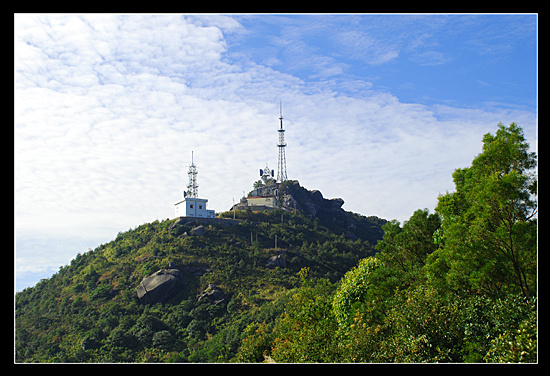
(200, 206)
(190, 206)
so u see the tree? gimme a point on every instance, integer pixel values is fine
(255, 345)
(163, 340)
(404, 250)
(422, 328)
(306, 331)
(489, 226)
(353, 290)
(258, 184)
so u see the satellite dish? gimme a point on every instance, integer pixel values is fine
(272, 173)
(261, 172)
(184, 194)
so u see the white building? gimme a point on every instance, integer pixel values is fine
(191, 205)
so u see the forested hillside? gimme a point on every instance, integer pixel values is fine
(89, 310)
(457, 285)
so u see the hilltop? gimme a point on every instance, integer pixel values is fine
(219, 275)
(290, 196)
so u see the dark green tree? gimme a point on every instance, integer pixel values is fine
(404, 250)
(489, 226)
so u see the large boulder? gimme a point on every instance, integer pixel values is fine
(160, 286)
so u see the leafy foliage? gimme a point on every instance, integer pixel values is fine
(304, 333)
(353, 290)
(489, 227)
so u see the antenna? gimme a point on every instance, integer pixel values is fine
(192, 187)
(266, 174)
(281, 168)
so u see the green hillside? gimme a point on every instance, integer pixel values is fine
(89, 310)
(457, 285)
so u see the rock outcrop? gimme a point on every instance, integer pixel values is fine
(197, 271)
(213, 294)
(160, 286)
(199, 230)
(275, 261)
(292, 196)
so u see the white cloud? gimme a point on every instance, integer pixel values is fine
(359, 45)
(430, 58)
(108, 109)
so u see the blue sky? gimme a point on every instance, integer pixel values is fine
(460, 60)
(379, 110)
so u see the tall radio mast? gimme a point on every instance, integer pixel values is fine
(192, 187)
(281, 169)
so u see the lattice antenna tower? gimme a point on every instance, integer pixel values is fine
(193, 186)
(281, 168)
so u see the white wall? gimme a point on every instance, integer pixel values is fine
(191, 207)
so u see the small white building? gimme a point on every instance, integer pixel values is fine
(193, 207)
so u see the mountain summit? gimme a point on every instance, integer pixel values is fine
(291, 197)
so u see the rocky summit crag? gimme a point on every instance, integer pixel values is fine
(294, 197)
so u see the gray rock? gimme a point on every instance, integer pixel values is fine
(199, 230)
(317, 197)
(335, 203)
(89, 343)
(213, 294)
(178, 226)
(145, 258)
(275, 261)
(197, 270)
(160, 286)
(180, 222)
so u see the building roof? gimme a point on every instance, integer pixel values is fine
(192, 199)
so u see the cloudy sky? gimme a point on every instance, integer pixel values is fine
(379, 110)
